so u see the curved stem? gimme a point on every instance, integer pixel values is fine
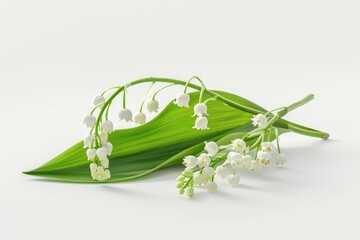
(293, 127)
(147, 93)
(173, 84)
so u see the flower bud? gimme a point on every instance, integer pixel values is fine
(105, 163)
(102, 153)
(211, 187)
(222, 171)
(91, 154)
(182, 100)
(201, 123)
(88, 139)
(233, 180)
(187, 173)
(212, 148)
(109, 147)
(280, 159)
(125, 114)
(89, 121)
(200, 109)
(140, 118)
(190, 192)
(103, 137)
(107, 126)
(152, 105)
(98, 101)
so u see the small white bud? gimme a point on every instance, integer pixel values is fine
(208, 171)
(190, 192)
(198, 178)
(88, 139)
(140, 118)
(125, 114)
(91, 154)
(152, 105)
(102, 153)
(103, 137)
(187, 173)
(222, 171)
(89, 121)
(109, 147)
(280, 159)
(233, 180)
(182, 100)
(105, 163)
(200, 110)
(211, 187)
(212, 148)
(201, 123)
(93, 167)
(98, 101)
(107, 126)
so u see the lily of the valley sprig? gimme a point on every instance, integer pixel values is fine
(239, 135)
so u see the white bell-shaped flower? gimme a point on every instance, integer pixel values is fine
(208, 171)
(152, 105)
(212, 148)
(259, 121)
(233, 180)
(268, 147)
(235, 159)
(91, 154)
(140, 118)
(109, 147)
(201, 123)
(102, 153)
(89, 121)
(238, 145)
(182, 100)
(125, 114)
(203, 160)
(264, 157)
(88, 139)
(190, 162)
(246, 161)
(211, 187)
(107, 126)
(200, 110)
(105, 163)
(255, 166)
(280, 159)
(198, 178)
(98, 101)
(222, 171)
(103, 137)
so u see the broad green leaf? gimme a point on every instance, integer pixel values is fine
(162, 142)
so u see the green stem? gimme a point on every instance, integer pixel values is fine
(293, 127)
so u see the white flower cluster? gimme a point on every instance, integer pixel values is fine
(199, 171)
(98, 146)
(200, 110)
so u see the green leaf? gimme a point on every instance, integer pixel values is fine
(162, 142)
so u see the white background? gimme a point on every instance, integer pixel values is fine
(56, 55)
